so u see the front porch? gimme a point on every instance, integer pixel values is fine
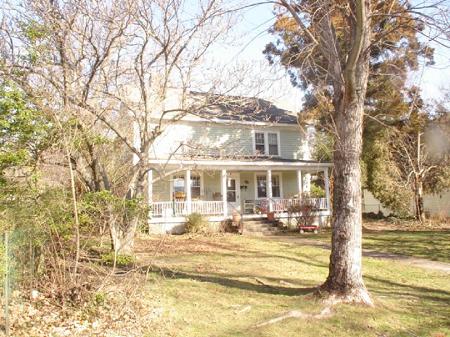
(220, 188)
(252, 208)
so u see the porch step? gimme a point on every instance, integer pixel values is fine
(259, 227)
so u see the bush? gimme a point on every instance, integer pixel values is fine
(317, 191)
(121, 260)
(196, 223)
(303, 213)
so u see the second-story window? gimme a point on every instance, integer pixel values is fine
(266, 143)
(260, 145)
(273, 144)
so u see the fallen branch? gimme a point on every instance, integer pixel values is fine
(263, 283)
(326, 312)
(244, 309)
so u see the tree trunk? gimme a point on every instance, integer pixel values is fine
(123, 231)
(418, 191)
(122, 236)
(345, 275)
(344, 282)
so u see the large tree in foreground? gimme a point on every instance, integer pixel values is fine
(333, 45)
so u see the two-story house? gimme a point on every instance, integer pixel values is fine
(248, 157)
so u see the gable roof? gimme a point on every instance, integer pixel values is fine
(244, 109)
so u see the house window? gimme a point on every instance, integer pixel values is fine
(273, 144)
(262, 186)
(266, 143)
(231, 190)
(195, 187)
(260, 146)
(179, 190)
(276, 190)
(178, 184)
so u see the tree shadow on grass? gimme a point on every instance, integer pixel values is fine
(426, 245)
(231, 282)
(299, 258)
(395, 289)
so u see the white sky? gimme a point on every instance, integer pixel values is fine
(252, 36)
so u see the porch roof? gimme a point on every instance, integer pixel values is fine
(253, 164)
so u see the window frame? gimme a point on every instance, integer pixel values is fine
(182, 174)
(256, 144)
(266, 142)
(280, 179)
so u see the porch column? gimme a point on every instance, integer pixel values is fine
(187, 187)
(327, 187)
(299, 183)
(307, 183)
(150, 191)
(269, 189)
(224, 192)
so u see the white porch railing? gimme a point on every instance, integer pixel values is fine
(206, 207)
(179, 208)
(282, 205)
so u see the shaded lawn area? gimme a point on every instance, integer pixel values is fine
(431, 245)
(225, 285)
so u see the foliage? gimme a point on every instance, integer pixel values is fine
(99, 209)
(304, 212)
(395, 51)
(317, 191)
(381, 172)
(2, 259)
(195, 223)
(119, 260)
(40, 224)
(408, 157)
(24, 131)
(323, 146)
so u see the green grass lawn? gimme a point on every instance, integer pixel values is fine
(431, 245)
(225, 285)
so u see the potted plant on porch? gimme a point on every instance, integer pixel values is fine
(271, 216)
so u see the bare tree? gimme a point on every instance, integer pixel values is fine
(420, 150)
(112, 67)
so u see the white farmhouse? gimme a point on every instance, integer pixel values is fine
(243, 155)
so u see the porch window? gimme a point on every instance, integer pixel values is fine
(231, 190)
(262, 186)
(260, 146)
(276, 190)
(195, 187)
(178, 186)
(273, 144)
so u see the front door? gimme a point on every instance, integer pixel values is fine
(233, 192)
